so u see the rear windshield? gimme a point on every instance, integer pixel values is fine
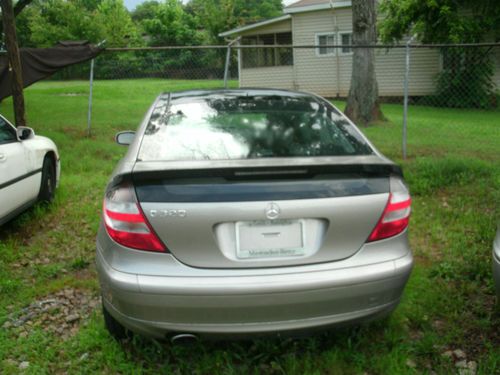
(223, 127)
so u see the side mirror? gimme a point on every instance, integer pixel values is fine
(125, 138)
(24, 133)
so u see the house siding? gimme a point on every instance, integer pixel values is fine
(279, 77)
(316, 73)
(330, 76)
(391, 68)
(278, 27)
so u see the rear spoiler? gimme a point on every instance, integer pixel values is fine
(292, 172)
(289, 172)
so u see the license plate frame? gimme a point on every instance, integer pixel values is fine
(266, 234)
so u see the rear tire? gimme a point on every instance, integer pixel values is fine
(113, 326)
(48, 186)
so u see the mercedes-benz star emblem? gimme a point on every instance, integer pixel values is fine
(272, 211)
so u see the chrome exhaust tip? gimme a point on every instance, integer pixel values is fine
(184, 339)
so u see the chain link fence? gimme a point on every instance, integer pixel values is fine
(175, 63)
(428, 92)
(454, 107)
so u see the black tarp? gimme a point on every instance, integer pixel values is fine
(39, 63)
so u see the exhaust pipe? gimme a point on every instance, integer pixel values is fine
(184, 339)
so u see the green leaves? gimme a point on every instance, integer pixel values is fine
(171, 25)
(440, 21)
(166, 22)
(217, 16)
(47, 22)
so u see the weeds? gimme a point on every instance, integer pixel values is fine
(448, 304)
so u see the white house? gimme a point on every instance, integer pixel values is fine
(326, 71)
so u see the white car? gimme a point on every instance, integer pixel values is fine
(29, 169)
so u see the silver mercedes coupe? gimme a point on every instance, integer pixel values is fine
(250, 211)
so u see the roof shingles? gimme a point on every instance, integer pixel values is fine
(305, 3)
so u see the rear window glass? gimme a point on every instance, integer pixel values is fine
(223, 127)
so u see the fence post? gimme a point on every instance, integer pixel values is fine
(226, 67)
(405, 104)
(228, 61)
(89, 114)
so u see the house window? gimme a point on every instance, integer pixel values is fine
(262, 57)
(284, 56)
(266, 57)
(325, 40)
(346, 41)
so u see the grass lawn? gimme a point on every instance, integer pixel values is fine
(454, 174)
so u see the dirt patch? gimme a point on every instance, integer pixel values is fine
(476, 336)
(60, 313)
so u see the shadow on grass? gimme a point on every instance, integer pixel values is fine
(28, 222)
(270, 354)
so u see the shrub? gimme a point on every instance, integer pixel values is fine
(466, 80)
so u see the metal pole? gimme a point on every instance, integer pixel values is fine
(405, 105)
(226, 67)
(239, 64)
(228, 60)
(89, 114)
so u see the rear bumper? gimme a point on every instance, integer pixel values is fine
(304, 298)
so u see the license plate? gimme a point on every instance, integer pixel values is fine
(270, 239)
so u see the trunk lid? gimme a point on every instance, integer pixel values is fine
(239, 215)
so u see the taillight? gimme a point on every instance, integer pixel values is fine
(125, 222)
(396, 214)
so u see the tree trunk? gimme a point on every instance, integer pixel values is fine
(363, 106)
(20, 5)
(14, 58)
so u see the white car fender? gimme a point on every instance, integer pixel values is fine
(37, 148)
